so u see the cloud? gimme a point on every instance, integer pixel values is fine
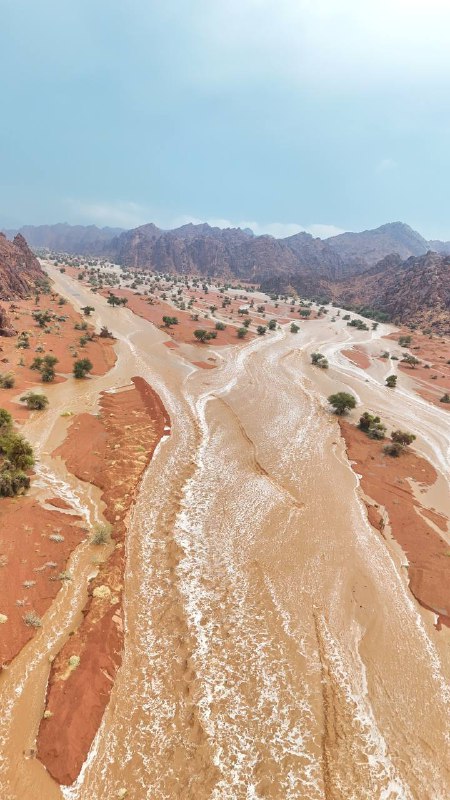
(277, 229)
(115, 214)
(322, 42)
(125, 214)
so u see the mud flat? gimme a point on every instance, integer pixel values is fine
(395, 508)
(111, 451)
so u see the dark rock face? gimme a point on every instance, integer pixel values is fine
(415, 291)
(19, 268)
(231, 252)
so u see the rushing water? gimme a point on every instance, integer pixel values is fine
(272, 647)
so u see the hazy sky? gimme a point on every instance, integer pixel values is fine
(278, 114)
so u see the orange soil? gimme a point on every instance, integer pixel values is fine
(27, 554)
(358, 357)
(386, 481)
(111, 451)
(434, 381)
(56, 343)
(25, 525)
(184, 331)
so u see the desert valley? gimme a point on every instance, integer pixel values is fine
(224, 515)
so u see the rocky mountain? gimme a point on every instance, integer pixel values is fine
(227, 252)
(81, 239)
(19, 268)
(413, 291)
(439, 247)
(361, 250)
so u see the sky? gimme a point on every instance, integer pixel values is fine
(279, 115)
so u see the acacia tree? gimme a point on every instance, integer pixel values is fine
(342, 402)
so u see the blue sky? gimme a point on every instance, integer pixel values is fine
(279, 114)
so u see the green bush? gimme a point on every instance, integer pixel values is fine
(34, 401)
(82, 367)
(7, 380)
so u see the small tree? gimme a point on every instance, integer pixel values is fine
(260, 330)
(34, 401)
(87, 310)
(272, 325)
(220, 326)
(82, 367)
(294, 328)
(316, 358)
(169, 321)
(445, 398)
(411, 360)
(391, 381)
(42, 318)
(201, 335)
(402, 437)
(242, 333)
(342, 402)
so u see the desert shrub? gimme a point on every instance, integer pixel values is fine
(32, 619)
(34, 401)
(82, 367)
(101, 534)
(7, 380)
(393, 449)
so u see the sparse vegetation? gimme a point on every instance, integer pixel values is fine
(391, 381)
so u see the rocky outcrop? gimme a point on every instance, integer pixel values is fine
(232, 252)
(412, 292)
(19, 268)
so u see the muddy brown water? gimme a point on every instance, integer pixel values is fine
(272, 648)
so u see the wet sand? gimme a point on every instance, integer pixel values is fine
(110, 451)
(273, 648)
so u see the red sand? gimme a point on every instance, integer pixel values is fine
(385, 480)
(358, 357)
(27, 554)
(112, 452)
(57, 343)
(184, 331)
(432, 381)
(24, 523)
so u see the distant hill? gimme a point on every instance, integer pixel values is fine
(359, 250)
(82, 239)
